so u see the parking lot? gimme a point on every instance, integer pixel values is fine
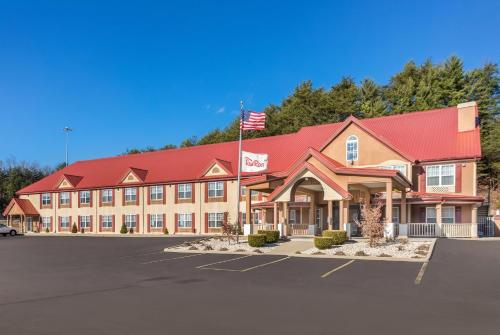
(106, 285)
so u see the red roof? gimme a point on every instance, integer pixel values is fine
(25, 205)
(423, 136)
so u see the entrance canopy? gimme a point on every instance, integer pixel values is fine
(22, 207)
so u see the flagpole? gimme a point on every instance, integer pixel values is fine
(239, 176)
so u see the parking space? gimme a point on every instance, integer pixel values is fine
(57, 281)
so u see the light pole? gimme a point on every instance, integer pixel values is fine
(67, 130)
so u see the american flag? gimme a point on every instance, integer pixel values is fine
(252, 120)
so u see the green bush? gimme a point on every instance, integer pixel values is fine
(74, 228)
(123, 229)
(272, 236)
(82, 230)
(338, 236)
(131, 230)
(165, 231)
(323, 242)
(256, 240)
(47, 230)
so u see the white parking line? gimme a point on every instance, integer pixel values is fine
(145, 254)
(227, 260)
(261, 265)
(421, 273)
(336, 269)
(170, 259)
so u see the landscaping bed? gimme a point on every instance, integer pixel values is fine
(400, 248)
(221, 244)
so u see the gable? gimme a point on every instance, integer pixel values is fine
(215, 170)
(130, 178)
(64, 184)
(371, 150)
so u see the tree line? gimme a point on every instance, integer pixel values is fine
(416, 87)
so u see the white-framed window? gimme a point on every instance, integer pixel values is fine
(107, 196)
(156, 192)
(46, 222)
(184, 220)
(400, 168)
(130, 194)
(46, 199)
(107, 221)
(184, 191)
(130, 220)
(395, 214)
(64, 198)
(156, 220)
(351, 148)
(215, 189)
(65, 222)
(292, 217)
(430, 215)
(448, 214)
(85, 221)
(85, 197)
(243, 191)
(440, 175)
(215, 220)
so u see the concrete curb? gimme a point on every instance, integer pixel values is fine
(106, 235)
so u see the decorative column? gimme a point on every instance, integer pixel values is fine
(403, 226)
(474, 233)
(330, 214)
(275, 215)
(247, 228)
(389, 225)
(341, 215)
(439, 219)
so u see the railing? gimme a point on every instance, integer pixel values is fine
(299, 229)
(485, 226)
(263, 226)
(455, 230)
(421, 229)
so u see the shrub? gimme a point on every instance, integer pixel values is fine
(165, 231)
(340, 253)
(82, 230)
(323, 242)
(74, 228)
(47, 230)
(256, 240)
(131, 230)
(123, 229)
(272, 236)
(360, 253)
(338, 236)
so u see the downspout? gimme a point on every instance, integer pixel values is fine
(143, 210)
(199, 196)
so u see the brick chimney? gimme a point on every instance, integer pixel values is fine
(467, 114)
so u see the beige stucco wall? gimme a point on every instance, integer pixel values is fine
(143, 209)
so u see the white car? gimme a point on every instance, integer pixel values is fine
(4, 230)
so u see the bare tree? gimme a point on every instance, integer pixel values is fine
(228, 229)
(371, 223)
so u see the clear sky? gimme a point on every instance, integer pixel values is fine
(129, 74)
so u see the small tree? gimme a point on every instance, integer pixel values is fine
(165, 231)
(228, 229)
(74, 228)
(82, 230)
(123, 229)
(131, 230)
(371, 223)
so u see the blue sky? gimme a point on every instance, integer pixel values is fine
(129, 74)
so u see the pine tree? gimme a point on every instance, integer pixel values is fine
(372, 103)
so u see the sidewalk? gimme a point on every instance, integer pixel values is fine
(293, 246)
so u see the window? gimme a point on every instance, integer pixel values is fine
(130, 194)
(85, 221)
(156, 192)
(64, 198)
(352, 148)
(319, 214)
(107, 221)
(430, 214)
(400, 168)
(184, 191)
(107, 196)
(440, 175)
(243, 191)
(65, 222)
(448, 214)
(395, 214)
(46, 199)
(293, 216)
(46, 222)
(156, 221)
(184, 220)
(85, 197)
(130, 220)
(215, 220)
(215, 189)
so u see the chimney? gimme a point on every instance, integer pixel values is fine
(467, 114)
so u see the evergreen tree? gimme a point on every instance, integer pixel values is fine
(372, 103)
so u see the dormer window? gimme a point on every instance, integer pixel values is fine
(352, 148)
